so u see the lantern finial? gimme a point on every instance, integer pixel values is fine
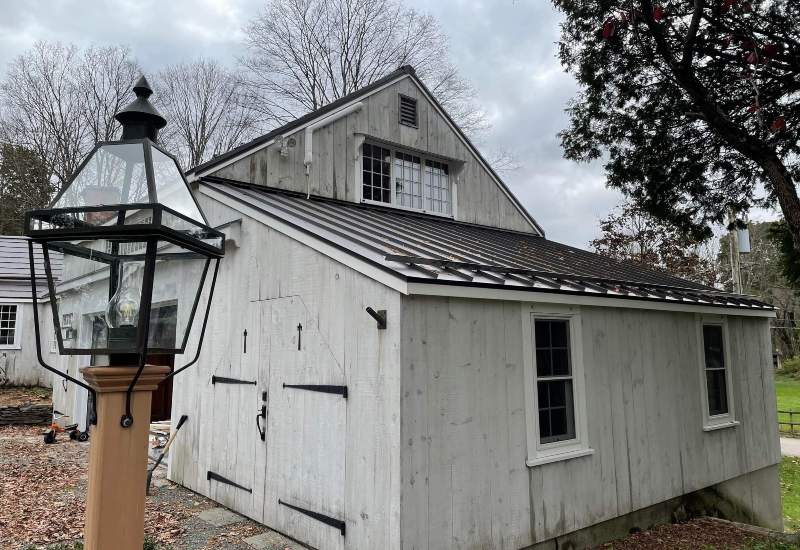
(140, 119)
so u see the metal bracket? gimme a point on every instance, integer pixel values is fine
(216, 477)
(327, 520)
(222, 380)
(379, 316)
(338, 390)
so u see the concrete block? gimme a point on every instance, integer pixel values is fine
(219, 517)
(272, 541)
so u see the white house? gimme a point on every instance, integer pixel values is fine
(18, 363)
(397, 356)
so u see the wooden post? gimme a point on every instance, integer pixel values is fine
(118, 458)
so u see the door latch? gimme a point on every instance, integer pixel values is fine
(262, 413)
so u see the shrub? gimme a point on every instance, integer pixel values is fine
(791, 367)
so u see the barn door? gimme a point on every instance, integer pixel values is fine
(304, 447)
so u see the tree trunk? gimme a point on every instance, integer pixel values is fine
(784, 188)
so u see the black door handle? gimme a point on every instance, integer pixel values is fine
(262, 431)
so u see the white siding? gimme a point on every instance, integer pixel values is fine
(465, 484)
(479, 198)
(277, 272)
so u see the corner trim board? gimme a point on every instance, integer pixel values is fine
(327, 520)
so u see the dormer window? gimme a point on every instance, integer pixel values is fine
(408, 111)
(405, 179)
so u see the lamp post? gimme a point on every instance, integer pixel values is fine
(137, 257)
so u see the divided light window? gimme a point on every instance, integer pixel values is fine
(554, 381)
(8, 325)
(419, 183)
(714, 357)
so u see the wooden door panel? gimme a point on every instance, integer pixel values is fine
(305, 448)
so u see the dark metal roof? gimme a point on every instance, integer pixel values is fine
(15, 271)
(433, 249)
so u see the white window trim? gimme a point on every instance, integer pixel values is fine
(17, 328)
(538, 453)
(719, 421)
(359, 184)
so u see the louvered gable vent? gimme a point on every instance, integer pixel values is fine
(408, 111)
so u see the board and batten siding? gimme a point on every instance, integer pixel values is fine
(465, 482)
(264, 285)
(334, 173)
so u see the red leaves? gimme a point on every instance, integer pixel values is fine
(625, 18)
(658, 13)
(726, 6)
(770, 50)
(609, 28)
(778, 125)
(753, 108)
(751, 58)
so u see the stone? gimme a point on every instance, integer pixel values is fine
(272, 541)
(219, 517)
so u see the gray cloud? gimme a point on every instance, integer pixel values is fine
(506, 48)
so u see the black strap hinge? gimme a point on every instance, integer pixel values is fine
(222, 380)
(327, 520)
(322, 388)
(216, 477)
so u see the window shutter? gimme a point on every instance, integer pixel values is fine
(408, 111)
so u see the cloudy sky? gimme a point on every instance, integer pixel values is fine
(506, 48)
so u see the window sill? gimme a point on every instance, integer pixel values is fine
(408, 208)
(721, 426)
(558, 457)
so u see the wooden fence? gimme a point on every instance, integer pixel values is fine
(789, 423)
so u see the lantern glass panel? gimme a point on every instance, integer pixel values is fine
(171, 189)
(101, 280)
(114, 174)
(177, 283)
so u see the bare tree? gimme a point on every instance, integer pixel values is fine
(631, 234)
(304, 54)
(57, 101)
(204, 103)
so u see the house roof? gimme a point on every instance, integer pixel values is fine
(15, 271)
(405, 70)
(432, 249)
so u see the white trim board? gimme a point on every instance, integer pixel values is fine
(458, 291)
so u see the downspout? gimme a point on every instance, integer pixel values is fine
(308, 158)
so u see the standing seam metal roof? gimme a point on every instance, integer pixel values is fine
(433, 249)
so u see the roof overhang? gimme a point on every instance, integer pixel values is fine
(407, 282)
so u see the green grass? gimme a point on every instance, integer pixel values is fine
(787, 389)
(790, 491)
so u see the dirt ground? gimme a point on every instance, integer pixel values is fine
(42, 491)
(697, 534)
(14, 396)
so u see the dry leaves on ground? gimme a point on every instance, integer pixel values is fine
(43, 487)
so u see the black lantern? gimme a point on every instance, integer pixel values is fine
(137, 250)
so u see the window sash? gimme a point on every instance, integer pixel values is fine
(716, 386)
(416, 182)
(9, 320)
(545, 345)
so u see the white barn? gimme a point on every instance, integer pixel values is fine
(503, 391)
(521, 391)
(18, 363)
